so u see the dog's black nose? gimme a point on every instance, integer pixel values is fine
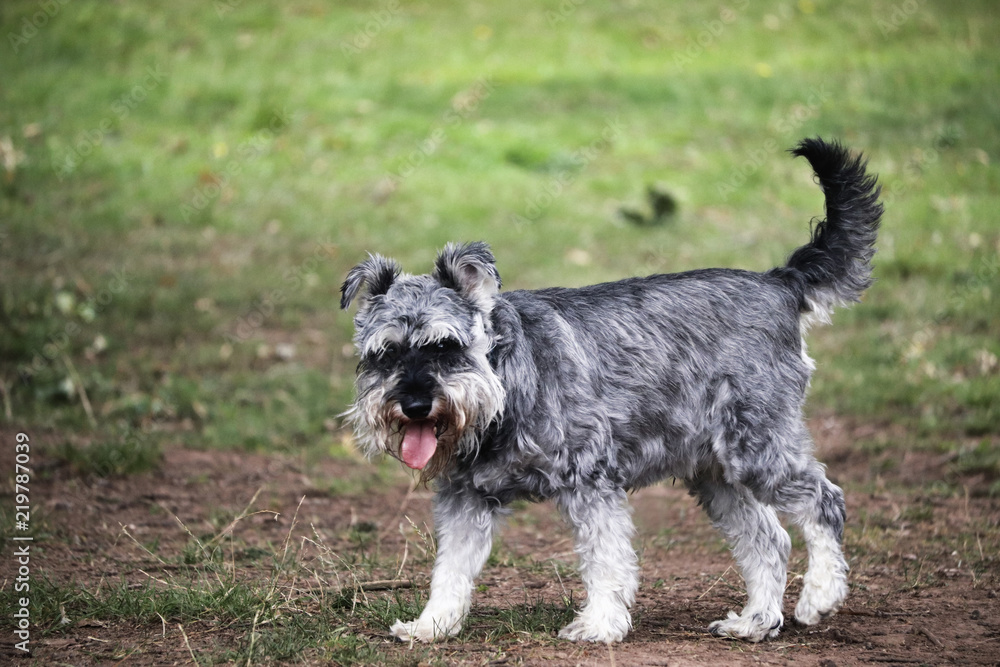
(416, 407)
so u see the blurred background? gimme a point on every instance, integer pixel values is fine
(184, 185)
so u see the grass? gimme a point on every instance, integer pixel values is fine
(268, 605)
(535, 618)
(182, 192)
(262, 628)
(227, 167)
(247, 616)
(126, 456)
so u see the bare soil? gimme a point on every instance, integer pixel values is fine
(922, 544)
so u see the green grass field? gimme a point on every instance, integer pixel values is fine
(183, 189)
(183, 186)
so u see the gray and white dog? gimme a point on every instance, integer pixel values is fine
(581, 395)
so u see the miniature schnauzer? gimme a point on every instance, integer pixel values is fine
(582, 395)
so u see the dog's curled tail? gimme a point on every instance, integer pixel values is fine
(834, 268)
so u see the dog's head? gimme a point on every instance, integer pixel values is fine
(425, 387)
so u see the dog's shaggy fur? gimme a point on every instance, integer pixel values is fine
(580, 395)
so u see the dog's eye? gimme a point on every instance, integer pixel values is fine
(391, 350)
(446, 345)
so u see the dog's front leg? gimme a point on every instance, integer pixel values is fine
(465, 524)
(602, 526)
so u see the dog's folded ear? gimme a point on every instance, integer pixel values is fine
(377, 272)
(470, 270)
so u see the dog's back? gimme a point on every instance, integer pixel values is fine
(656, 372)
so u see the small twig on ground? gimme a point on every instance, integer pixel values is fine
(893, 658)
(692, 628)
(386, 584)
(876, 613)
(919, 629)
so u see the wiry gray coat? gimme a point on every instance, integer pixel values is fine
(580, 395)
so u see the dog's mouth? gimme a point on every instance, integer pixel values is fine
(419, 442)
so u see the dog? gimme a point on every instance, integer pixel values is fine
(582, 395)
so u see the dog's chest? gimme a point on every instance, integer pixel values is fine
(538, 477)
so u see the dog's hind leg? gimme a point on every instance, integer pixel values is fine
(820, 513)
(465, 524)
(603, 529)
(795, 484)
(760, 546)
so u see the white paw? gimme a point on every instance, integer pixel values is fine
(752, 627)
(821, 597)
(424, 630)
(605, 625)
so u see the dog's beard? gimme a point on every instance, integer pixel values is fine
(466, 404)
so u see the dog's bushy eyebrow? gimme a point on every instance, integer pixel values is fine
(440, 334)
(377, 272)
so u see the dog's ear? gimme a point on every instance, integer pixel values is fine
(377, 272)
(470, 270)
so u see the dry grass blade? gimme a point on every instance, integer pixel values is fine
(722, 577)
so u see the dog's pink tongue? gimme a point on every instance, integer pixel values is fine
(419, 443)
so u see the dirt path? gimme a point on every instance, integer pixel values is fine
(925, 574)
